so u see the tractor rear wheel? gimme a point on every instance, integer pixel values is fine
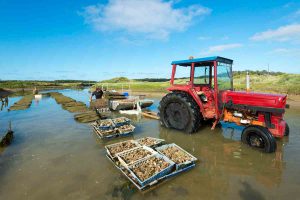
(287, 130)
(260, 138)
(179, 111)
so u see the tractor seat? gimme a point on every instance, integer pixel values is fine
(199, 93)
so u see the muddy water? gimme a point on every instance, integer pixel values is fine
(54, 157)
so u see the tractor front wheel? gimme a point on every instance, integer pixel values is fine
(287, 130)
(260, 138)
(180, 111)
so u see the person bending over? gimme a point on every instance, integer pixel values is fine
(98, 93)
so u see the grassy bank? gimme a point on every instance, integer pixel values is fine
(261, 81)
(277, 83)
(43, 85)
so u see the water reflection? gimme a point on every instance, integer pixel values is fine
(218, 155)
(121, 190)
(39, 97)
(4, 103)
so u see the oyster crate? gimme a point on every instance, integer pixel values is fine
(126, 131)
(132, 151)
(125, 121)
(156, 176)
(178, 165)
(107, 133)
(107, 147)
(102, 126)
(154, 183)
(103, 110)
(157, 142)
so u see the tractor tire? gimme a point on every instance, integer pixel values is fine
(260, 138)
(287, 130)
(179, 111)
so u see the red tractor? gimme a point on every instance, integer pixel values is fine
(206, 93)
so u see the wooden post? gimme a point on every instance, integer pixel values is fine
(9, 126)
(6, 139)
(129, 88)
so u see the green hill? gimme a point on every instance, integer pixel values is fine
(116, 80)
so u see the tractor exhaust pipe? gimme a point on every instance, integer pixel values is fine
(247, 82)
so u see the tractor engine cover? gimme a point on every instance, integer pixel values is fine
(253, 99)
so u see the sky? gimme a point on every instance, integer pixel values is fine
(97, 40)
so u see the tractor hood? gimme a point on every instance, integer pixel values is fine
(255, 99)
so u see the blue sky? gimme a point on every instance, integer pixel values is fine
(96, 40)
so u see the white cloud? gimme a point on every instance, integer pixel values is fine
(223, 47)
(296, 14)
(288, 5)
(283, 33)
(225, 37)
(154, 18)
(204, 38)
(280, 50)
(285, 52)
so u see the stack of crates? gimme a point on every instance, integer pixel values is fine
(154, 150)
(110, 128)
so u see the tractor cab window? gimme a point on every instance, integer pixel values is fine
(224, 76)
(182, 75)
(201, 75)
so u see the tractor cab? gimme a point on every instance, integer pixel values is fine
(204, 79)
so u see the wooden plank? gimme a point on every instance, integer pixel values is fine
(6, 139)
(151, 115)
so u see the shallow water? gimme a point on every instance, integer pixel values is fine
(54, 157)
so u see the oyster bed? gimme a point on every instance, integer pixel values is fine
(23, 103)
(86, 117)
(68, 103)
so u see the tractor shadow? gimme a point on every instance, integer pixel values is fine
(249, 193)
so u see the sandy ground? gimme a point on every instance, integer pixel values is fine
(4, 93)
(294, 101)
(149, 94)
